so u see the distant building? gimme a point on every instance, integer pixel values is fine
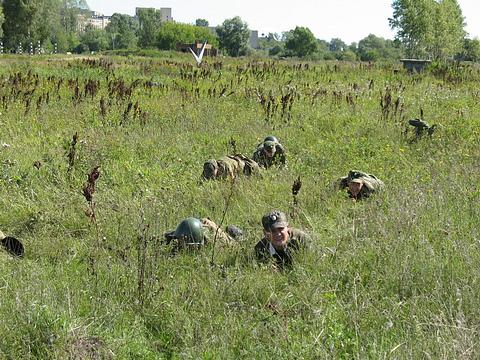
(93, 18)
(165, 13)
(253, 40)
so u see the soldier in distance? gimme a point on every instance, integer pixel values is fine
(359, 184)
(279, 241)
(194, 233)
(229, 167)
(421, 127)
(270, 152)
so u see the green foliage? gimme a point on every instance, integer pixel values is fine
(172, 33)
(392, 276)
(233, 36)
(121, 31)
(92, 39)
(470, 51)
(148, 25)
(201, 22)
(300, 42)
(373, 48)
(428, 27)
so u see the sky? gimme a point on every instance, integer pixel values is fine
(349, 20)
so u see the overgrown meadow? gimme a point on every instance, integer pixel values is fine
(395, 276)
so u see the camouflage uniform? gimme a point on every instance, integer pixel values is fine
(263, 160)
(370, 183)
(265, 251)
(229, 167)
(421, 127)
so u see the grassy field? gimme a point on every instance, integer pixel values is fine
(396, 276)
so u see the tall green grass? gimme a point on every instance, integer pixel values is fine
(396, 276)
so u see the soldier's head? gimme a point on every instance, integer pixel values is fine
(269, 148)
(276, 229)
(189, 233)
(210, 169)
(271, 138)
(355, 186)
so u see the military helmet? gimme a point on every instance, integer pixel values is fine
(269, 144)
(191, 231)
(13, 246)
(271, 138)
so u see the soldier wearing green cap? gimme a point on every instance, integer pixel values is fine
(229, 167)
(359, 184)
(192, 233)
(269, 153)
(280, 241)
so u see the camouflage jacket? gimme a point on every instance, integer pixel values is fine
(278, 159)
(371, 183)
(265, 252)
(229, 167)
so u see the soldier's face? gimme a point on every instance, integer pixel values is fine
(354, 188)
(278, 237)
(269, 151)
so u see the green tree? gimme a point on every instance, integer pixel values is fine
(470, 50)
(448, 30)
(19, 21)
(300, 42)
(337, 45)
(93, 39)
(121, 32)
(373, 48)
(148, 25)
(69, 13)
(233, 36)
(428, 27)
(172, 33)
(201, 22)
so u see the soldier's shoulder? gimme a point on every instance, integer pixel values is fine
(297, 234)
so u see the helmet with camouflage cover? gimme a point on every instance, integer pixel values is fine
(190, 230)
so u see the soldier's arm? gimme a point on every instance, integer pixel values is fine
(215, 230)
(281, 153)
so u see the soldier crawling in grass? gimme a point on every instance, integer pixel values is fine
(193, 233)
(229, 167)
(279, 241)
(270, 152)
(359, 184)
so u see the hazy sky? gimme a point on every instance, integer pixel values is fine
(350, 20)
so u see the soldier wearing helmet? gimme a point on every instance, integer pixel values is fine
(270, 152)
(193, 233)
(359, 184)
(421, 127)
(280, 241)
(229, 167)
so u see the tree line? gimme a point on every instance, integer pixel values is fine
(432, 29)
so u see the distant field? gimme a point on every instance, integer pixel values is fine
(396, 276)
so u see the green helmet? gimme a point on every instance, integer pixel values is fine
(271, 138)
(191, 231)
